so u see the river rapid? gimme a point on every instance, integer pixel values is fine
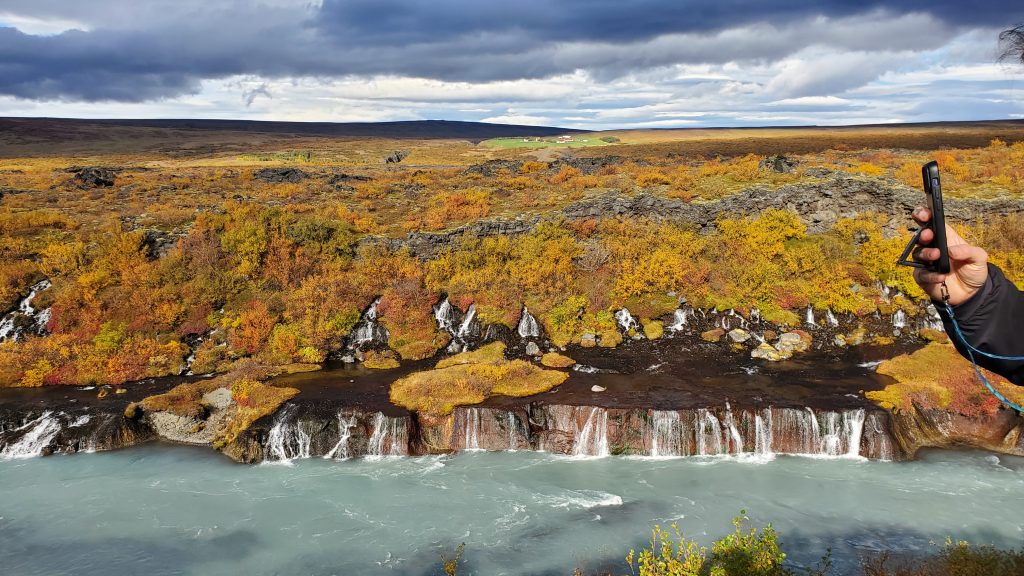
(167, 510)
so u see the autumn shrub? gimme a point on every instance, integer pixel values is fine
(955, 558)
(747, 551)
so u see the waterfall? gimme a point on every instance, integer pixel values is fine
(528, 327)
(763, 433)
(809, 317)
(899, 319)
(842, 433)
(513, 426)
(346, 422)
(471, 429)
(667, 434)
(735, 438)
(287, 440)
(12, 329)
(626, 321)
(679, 320)
(592, 439)
(709, 433)
(36, 438)
(368, 329)
(447, 316)
(467, 329)
(390, 437)
(830, 318)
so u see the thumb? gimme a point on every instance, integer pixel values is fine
(967, 254)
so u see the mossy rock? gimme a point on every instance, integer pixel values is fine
(556, 360)
(381, 360)
(610, 339)
(933, 335)
(654, 329)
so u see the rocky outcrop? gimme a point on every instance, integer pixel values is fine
(280, 175)
(922, 427)
(94, 176)
(820, 204)
(586, 166)
(491, 168)
(396, 157)
(779, 164)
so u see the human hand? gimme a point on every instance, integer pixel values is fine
(968, 268)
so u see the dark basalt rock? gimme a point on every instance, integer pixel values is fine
(586, 166)
(343, 181)
(280, 175)
(396, 157)
(94, 176)
(779, 164)
(491, 168)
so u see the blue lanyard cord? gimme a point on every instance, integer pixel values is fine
(971, 351)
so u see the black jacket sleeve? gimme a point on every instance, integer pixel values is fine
(992, 321)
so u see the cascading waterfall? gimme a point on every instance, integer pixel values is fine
(471, 429)
(390, 437)
(528, 327)
(899, 319)
(763, 433)
(679, 320)
(626, 321)
(667, 434)
(368, 329)
(287, 440)
(36, 438)
(830, 318)
(346, 423)
(709, 433)
(809, 317)
(468, 327)
(512, 424)
(592, 439)
(11, 329)
(735, 438)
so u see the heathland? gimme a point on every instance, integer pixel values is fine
(169, 247)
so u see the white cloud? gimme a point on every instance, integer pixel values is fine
(40, 26)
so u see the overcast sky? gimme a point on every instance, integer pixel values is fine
(572, 63)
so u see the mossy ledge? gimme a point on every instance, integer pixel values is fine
(470, 378)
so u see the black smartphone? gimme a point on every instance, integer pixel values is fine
(933, 190)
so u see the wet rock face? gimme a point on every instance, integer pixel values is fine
(280, 175)
(308, 429)
(94, 176)
(932, 428)
(45, 432)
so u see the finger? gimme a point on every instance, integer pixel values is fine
(926, 237)
(928, 277)
(967, 254)
(926, 254)
(921, 214)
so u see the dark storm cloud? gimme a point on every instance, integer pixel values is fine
(135, 52)
(414, 21)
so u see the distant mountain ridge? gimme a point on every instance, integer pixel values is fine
(420, 129)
